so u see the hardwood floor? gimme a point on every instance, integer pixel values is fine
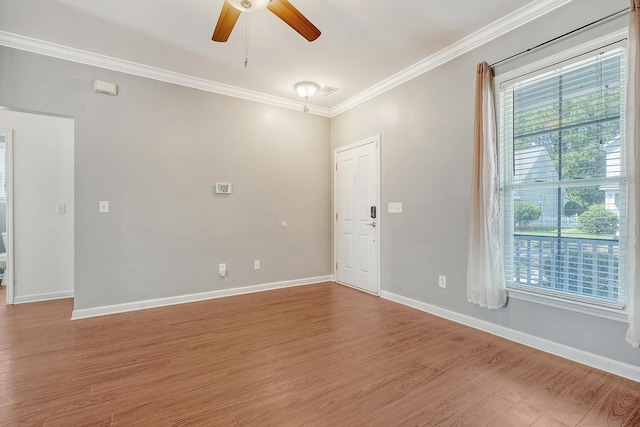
(318, 355)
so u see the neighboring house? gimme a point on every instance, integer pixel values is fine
(535, 165)
(612, 192)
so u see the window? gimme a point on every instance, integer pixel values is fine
(563, 232)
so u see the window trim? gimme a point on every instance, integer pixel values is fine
(529, 71)
(618, 315)
(539, 66)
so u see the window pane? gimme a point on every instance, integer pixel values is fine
(581, 211)
(585, 268)
(566, 125)
(579, 257)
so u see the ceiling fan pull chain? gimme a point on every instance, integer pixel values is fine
(246, 41)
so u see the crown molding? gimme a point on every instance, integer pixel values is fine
(492, 31)
(28, 44)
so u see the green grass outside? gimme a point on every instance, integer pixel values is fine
(566, 232)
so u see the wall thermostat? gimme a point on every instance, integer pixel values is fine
(223, 188)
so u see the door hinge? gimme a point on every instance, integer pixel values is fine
(336, 266)
(336, 167)
(336, 216)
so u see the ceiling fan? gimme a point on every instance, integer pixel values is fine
(284, 10)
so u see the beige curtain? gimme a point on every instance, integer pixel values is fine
(633, 186)
(485, 272)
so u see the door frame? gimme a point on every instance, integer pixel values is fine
(7, 279)
(377, 139)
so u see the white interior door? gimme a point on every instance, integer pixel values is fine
(357, 214)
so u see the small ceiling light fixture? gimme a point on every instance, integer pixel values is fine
(249, 5)
(306, 90)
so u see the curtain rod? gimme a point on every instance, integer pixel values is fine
(562, 36)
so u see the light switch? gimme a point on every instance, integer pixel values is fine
(61, 208)
(103, 206)
(395, 208)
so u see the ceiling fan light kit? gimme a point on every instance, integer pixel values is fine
(307, 89)
(250, 6)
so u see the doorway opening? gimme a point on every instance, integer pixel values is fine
(6, 144)
(39, 222)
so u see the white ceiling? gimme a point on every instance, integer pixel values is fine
(363, 42)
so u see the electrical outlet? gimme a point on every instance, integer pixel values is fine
(222, 270)
(103, 206)
(442, 281)
(256, 264)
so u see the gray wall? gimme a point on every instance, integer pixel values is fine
(155, 153)
(427, 128)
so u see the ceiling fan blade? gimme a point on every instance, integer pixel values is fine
(228, 17)
(296, 20)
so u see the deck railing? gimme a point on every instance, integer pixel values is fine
(582, 267)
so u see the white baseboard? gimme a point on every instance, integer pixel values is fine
(590, 359)
(182, 299)
(42, 297)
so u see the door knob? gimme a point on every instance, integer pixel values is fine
(371, 224)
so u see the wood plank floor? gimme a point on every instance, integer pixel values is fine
(318, 355)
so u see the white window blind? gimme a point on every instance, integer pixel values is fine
(563, 179)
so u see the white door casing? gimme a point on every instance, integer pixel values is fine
(7, 280)
(356, 231)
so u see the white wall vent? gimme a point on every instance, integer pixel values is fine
(105, 88)
(327, 90)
